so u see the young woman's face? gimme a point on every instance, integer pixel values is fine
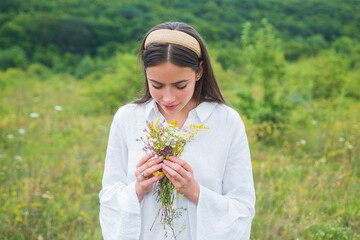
(172, 87)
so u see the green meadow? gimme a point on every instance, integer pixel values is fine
(54, 130)
(298, 96)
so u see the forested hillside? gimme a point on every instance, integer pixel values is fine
(97, 27)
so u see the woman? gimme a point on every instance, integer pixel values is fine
(214, 173)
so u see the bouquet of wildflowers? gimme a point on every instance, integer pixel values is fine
(166, 139)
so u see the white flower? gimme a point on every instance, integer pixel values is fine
(34, 115)
(302, 141)
(10, 136)
(58, 108)
(47, 195)
(314, 122)
(348, 145)
(18, 158)
(262, 165)
(341, 139)
(22, 131)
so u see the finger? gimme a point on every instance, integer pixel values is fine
(176, 167)
(182, 163)
(149, 181)
(167, 174)
(144, 159)
(172, 173)
(148, 164)
(149, 172)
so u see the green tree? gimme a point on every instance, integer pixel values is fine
(265, 67)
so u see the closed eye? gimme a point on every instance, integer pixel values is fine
(181, 87)
(157, 87)
(178, 85)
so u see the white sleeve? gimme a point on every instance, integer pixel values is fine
(229, 215)
(119, 206)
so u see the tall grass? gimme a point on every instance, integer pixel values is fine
(53, 136)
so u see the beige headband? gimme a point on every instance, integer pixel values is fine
(173, 36)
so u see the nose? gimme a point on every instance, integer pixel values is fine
(168, 96)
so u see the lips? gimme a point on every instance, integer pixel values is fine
(170, 107)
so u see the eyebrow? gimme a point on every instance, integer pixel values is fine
(181, 81)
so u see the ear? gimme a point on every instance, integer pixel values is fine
(200, 72)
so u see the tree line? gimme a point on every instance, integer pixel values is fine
(34, 28)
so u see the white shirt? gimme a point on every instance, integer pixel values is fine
(221, 164)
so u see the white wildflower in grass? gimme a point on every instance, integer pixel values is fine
(314, 122)
(34, 115)
(18, 158)
(348, 145)
(166, 139)
(262, 165)
(10, 136)
(341, 139)
(22, 131)
(47, 195)
(58, 108)
(302, 141)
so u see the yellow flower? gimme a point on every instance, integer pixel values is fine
(158, 173)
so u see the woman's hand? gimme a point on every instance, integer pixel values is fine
(181, 175)
(144, 174)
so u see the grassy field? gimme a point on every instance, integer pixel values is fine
(53, 137)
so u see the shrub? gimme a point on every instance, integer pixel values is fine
(13, 57)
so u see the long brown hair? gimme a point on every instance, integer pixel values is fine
(206, 89)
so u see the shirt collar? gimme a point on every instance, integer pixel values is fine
(203, 110)
(150, 106)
